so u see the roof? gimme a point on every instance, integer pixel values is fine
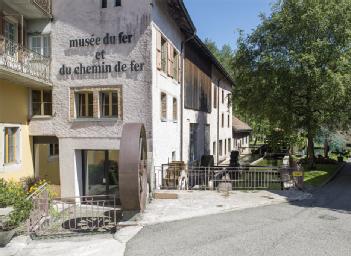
(180, 14)
(240, 126)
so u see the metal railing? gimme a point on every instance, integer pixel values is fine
(40, 206)
(18, 58)
(44, 5)
(74, 215)
(222, 177)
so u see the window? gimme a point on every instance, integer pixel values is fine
(225, 147)
(40, 44)
(11, 146)
(109, 104)
(103, 3)
(222, 120)
(207, 148)
(175, 109)
(229, 145)
(214, 148)
(193, 142)
(173, 155)
(220, 147)
(11, 35)
(228, 121)
(118, 3)
(222, 96)
(85, 104)
(163, 106)
(41, 103)
(175, 65)
(164, 50)
(54, 149)
(214, 96)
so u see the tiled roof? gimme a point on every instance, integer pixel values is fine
(240, 126)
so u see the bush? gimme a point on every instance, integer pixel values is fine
(12, 194)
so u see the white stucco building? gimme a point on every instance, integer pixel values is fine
(116, 62)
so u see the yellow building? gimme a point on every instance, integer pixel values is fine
(25, 87)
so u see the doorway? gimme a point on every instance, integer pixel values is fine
(100, 172)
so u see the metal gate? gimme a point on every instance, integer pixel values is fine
(223, 177)
(73, 216)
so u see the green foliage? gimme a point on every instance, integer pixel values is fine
(12, 194)
(321, 174)
(294, 70)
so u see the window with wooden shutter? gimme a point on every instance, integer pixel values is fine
(175, 65)
(163, 106)
(180, 74)
(170, 60)
(158, 50)
(175, 109)
(164, 53)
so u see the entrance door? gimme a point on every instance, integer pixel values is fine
(100, 172)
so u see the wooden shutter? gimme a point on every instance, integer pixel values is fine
(170, 60)
(158, 50)
(179, 68)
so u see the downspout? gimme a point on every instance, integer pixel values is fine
(218, 83)
(182, 91)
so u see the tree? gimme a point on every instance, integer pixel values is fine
(295, 67)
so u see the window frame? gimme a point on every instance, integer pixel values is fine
(86, 107)
(110, 103)
(164, 54)
(42, 103)
(118, 3)
(54, 150)
(42, 44)
(17, 145)
(163, 107)
(175, 109)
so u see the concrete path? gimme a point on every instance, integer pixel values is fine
(318, 226)
(200, 203)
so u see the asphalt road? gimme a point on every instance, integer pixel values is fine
(319, 226)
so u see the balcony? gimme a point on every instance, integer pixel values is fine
(23, 66)
(31, 9)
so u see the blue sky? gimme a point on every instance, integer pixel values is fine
(219, 20)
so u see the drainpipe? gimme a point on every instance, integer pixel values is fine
(182, 91)
(218, 83)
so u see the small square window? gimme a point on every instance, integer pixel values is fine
(41, 103)
(118, 3)
(53, 149)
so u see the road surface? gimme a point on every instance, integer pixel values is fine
(319, 226)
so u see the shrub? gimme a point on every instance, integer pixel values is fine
(12, 194)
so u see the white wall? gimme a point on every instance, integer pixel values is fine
(84, 19)
(166, 134)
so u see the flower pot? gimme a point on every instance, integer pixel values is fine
(6, 236)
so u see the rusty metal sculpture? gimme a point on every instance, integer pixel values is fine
(132, 167)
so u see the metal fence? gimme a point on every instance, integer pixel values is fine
(73, 216)
(223, 178)
(18, 58)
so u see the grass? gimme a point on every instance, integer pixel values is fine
(270, 162)
(319, 175)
